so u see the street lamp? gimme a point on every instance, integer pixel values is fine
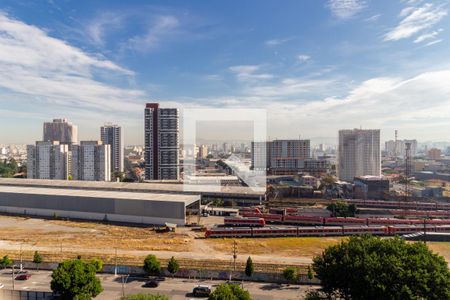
(124, 280)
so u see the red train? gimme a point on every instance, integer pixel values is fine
(421, 213)
(320, 231)
(313, 220)
(242, 221)
(400, 204)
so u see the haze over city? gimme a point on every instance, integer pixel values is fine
(316, 66)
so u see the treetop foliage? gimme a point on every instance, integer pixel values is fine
(152, 265)
(249, 268)
(342, 209)
(75, 279)
(229, 292)
(173, 265)
(145, 297)
(373, 268)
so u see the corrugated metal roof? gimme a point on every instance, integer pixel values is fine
(133, 187)
(188, 199)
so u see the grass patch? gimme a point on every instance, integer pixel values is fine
(285, 246)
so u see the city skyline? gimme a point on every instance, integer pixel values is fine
(320, 67)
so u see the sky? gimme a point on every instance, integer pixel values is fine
(315, 66)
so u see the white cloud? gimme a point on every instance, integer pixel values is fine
(97, 28)
(433, 42)
(47, 70)
(427, 36)
(345, 9)
(373, 18)
(289, 87)
(276, 42)
(162, 27)
(418, 106)
(303, 57)
(415, 20)
(249, 72)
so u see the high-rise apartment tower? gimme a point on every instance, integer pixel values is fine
(91, 161)
(112, 135)
(161, 143)
(359, 153)
(48, 160)
(60, 130)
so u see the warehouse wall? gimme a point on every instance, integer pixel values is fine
(136, 211)
(90, 216)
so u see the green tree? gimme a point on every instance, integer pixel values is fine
(249, 269)
(118, 175)
(326, 182)
(173, 266)
(373, 268)
(152, 265)
(229, 292)
(342, 209)
(310, 274)
(75, 279)
(5, 261)
(98, 264)
(145, 297)
(290, 274)
(37, 259)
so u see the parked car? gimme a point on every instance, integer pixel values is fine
(23, 276)
(201, 291)
(151, 284)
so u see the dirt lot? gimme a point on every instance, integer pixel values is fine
(58, 239)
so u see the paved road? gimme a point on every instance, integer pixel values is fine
(176, 289)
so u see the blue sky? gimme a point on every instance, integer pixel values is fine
(316, 66)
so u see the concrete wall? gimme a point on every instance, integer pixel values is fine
(189, 273)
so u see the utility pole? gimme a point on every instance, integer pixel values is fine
(21, 265)
(115, 261)
(424, 231)
(124, 280)
(12, 274)
(234, 254)
(199, 209)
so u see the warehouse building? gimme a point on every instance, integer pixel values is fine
(100, 205)
(238, 194)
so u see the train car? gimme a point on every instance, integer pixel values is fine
(404, 229)
(331, 231)
(244, 221)
(272, 218)
(359, 230)
(228, 232)
(291, 219)
(398, 204)
(390, 221)
(444, 206)
(342, 221)
(274, 232)
(436, 221)
(442, 228)
(420, 213)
